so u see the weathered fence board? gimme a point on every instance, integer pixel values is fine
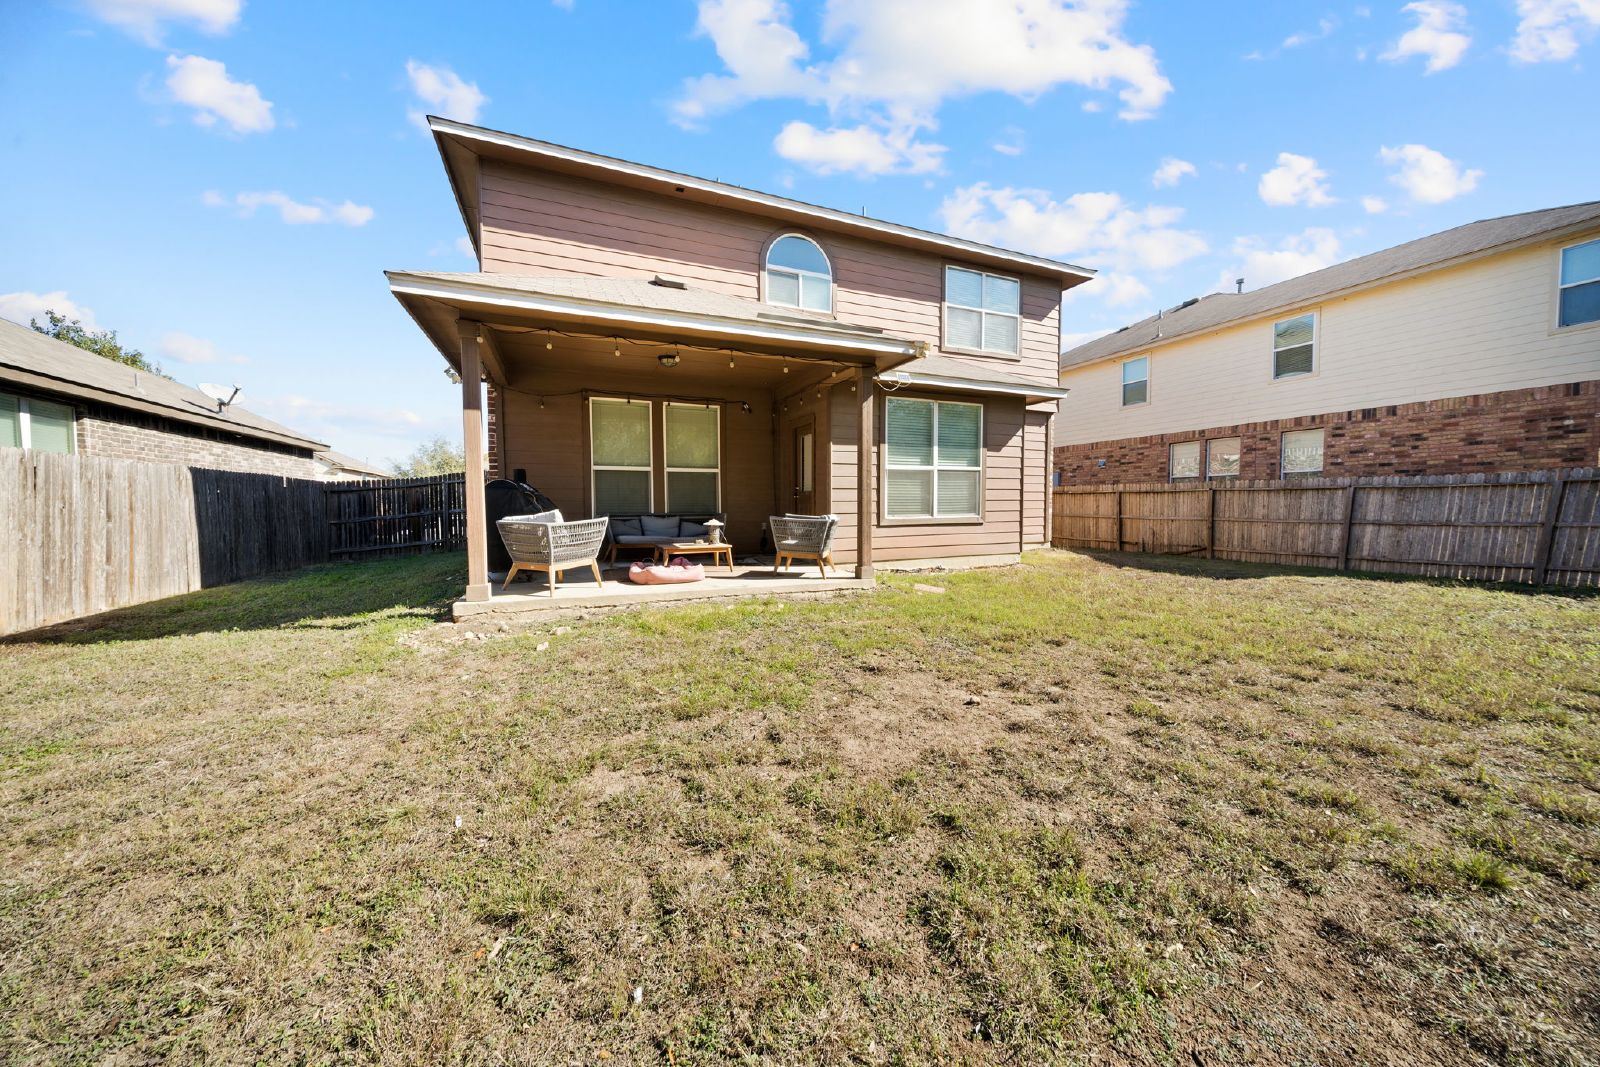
(1541, 527)
(396, 516)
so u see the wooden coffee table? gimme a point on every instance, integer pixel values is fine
(716, 550)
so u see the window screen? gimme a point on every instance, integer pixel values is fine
(694, 458)
(49, 426)
(620, 453)
(798, 274)
(1302, 452)
(1293, 345)
(1222, 457)
(933, 458)
(10, 422)
(983, 312)
(1183, 461)
(1580, 284)
(1136, 381)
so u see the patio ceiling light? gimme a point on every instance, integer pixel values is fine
(668, 359)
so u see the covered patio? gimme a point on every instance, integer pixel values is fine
(749, 412)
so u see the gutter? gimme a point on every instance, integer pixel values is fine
(943, 381)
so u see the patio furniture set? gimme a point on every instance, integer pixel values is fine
(545, 542)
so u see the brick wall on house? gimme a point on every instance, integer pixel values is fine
(1522, 429)
(120, 434)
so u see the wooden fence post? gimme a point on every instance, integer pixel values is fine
(1211, 522)
(1349, 523)
(1547, 531)
(1119, 520)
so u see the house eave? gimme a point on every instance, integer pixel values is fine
(1030, 393)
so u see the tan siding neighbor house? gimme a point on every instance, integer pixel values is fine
(1477, 349)
(901, 380)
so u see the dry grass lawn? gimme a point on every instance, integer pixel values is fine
(1086, 809)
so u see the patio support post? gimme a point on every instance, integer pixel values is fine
(864, 452)
(472, 445)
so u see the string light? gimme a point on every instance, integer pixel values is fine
(616, 347)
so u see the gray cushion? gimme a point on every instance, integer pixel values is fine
(659, 525)
(641, 539)
(688, 528)
(623, 527)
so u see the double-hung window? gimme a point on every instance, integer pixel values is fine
(1294, 343)
(1302, 452)
(933, 459)
(1183, 461)
(694, 458)
(620, 451)
(1580, 284)
(41, 425)
(982, 312)
(1222, 457)
(1136, 381)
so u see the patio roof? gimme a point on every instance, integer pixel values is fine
(634, 307)
(942, 372)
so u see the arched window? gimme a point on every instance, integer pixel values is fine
(798, 274)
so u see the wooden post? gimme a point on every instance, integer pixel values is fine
(1349, 525)
(1547, 530)
(864, 456)
(1119, 520)
(1210, 522)
(472, 445)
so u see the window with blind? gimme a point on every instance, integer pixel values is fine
(1222, 457)
(620, 455)
(1294, 346)
(1136, 381)
(42, 425)
(1302, 452)
(983, 312)
(1183, 461)
(798, 274)
(694, 458)
(933, 459)
(1580, 284)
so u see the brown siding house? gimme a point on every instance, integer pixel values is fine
(57, 397)
(902, 380)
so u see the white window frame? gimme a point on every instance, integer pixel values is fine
(1283, 445)
(650, 471)
(1227, 477)
(25, 423)
(1316, 346)
(983, 314)
(923, 520)
(767, 268)
(1123, 383)
(1561, 286)
(669, 471)
(1200, 461)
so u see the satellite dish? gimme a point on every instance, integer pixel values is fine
(222, 394)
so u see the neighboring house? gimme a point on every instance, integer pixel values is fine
(1476, 349)
(655, 342)
(338, 467)
(55, 397)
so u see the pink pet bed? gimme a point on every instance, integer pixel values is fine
(677, 572)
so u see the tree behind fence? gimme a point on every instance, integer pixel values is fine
(1541, 527)
(87, 534)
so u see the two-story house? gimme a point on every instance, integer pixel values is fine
(654, 342)
(1472, 350)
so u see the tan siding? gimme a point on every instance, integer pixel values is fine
(536, 222)
(1035, 479)
(1482, 327)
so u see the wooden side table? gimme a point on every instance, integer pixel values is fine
(718, 551)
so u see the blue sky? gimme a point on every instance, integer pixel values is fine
(223, 183)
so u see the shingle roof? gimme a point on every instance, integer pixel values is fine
(643, 293)
(1221, 309)
(29, 357)
(340, 461)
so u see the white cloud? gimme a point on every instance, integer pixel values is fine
(893, 63)
(1437, 35)
(864, 150)
(1069, 341)
(294, 212)
(1114, 289)
(1171, 172)
(1551, 30)
(1096, 227)
(187, 348)
(464, 246)
(204, 85)
(144, 18)
(328, 421)
(24, 307)
(1295, 180)
(1427, 176)
(1325, 28)
(1261, 264)
(442, 92)
(1374, 205)
(1011, 144)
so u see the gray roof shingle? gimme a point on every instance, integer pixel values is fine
(26, 352)
(1221, 309)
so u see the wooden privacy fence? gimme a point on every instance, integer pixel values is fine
(396, 516)
(1541, 527)
(86, 534)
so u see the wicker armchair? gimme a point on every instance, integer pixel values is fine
(802, 537)
(543, 542)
